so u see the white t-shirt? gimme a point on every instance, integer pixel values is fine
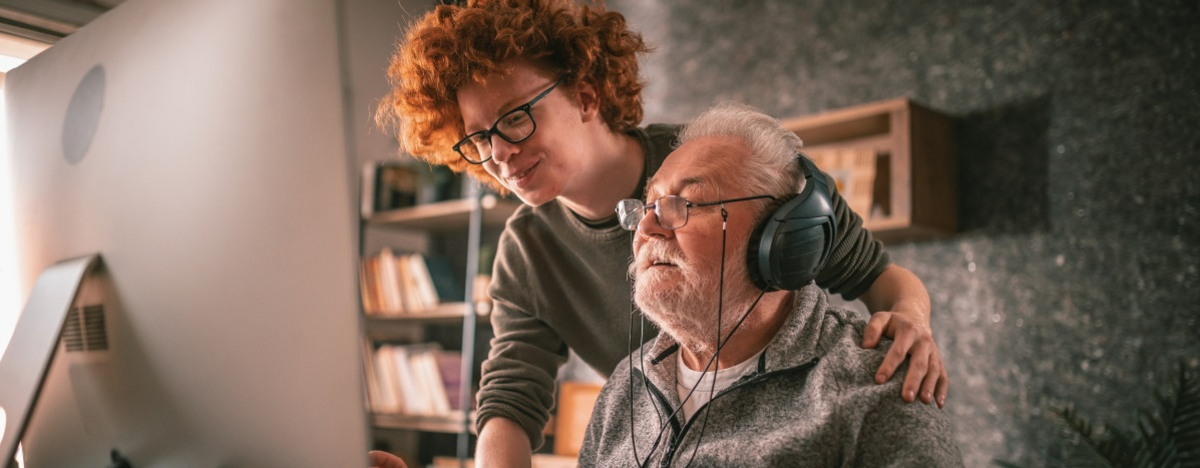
(703, 382)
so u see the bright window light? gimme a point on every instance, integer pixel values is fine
(13, 52)
(8, 63)
(10, 294)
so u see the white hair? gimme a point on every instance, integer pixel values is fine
(771, 167)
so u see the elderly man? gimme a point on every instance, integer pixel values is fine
(792, 385)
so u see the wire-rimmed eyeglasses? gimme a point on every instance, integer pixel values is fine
(671, 210)
(514, 126)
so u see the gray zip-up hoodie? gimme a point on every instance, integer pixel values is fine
(812, 401)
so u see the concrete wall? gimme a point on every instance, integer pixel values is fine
(1074, 277)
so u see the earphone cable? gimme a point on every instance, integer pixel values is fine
(629, 349)
(712, 360)
(706, 366)
(712, 389)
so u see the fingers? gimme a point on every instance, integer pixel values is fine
(874, 329)
(926, 378)
(932, 377)
(943, 386)
(895, 356)
(385, 460)
(918, 366)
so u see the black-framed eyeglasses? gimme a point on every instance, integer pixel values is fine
(671, 210)
(514, 126)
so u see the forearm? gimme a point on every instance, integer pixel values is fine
(857, 258)
(503, 443)
(900, 291)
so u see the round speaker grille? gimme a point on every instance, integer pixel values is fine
(83, 115)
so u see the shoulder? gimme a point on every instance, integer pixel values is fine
(660, 139)
(851, 367)
(913, 434)
(663, 130)
(532, 224)
(525, 233)
(889, 428)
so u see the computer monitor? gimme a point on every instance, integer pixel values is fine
(200, 148)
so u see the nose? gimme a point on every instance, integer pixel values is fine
(502, 150)
(649, 227)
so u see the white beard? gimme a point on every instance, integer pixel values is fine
(682, 301)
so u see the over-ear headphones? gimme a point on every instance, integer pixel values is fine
(791, 244)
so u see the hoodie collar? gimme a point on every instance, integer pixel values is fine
(796, 343)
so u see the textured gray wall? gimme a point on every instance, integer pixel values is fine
(1074, 277)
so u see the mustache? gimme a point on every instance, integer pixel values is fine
(653, 251)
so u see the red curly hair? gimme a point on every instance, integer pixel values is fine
(455, 45)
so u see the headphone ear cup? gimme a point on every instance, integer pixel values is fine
(789, 247)
(758, 264)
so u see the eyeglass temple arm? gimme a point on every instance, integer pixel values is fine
(731, 200)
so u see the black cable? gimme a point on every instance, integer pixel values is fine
(712, 389)
(641, 360)
(710, 363)
(720, 344)
(629, 349)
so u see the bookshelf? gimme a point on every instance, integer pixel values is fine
(452, 231)
(894, 163)
(449, 423)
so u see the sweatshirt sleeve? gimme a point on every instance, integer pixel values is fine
(517, 379)
(899, 434)
(857, 258)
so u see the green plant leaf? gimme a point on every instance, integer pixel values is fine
(1185, 420)
(1168, 436)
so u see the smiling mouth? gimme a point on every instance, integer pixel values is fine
(522, 178)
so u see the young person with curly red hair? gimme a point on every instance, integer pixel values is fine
(542, 98)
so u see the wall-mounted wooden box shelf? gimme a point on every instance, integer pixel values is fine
(912, 193)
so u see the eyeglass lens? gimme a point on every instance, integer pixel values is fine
(514, 127)
(671, 211)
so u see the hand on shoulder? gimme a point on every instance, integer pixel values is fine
(385, 460)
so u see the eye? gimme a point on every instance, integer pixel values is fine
(515, 119)
(479, 139)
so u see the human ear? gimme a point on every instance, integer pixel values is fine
(589, 101)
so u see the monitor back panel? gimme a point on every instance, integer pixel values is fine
(199, 147)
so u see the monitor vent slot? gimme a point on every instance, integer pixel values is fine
(85, 330)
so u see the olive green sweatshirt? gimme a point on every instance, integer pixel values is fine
(560, 282)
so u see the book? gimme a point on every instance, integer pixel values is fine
(449, 364)
(419, 379)
(389, 283)
(425, 368)
(446, 284)
(390, 397)
(411, 292)
(373, 390)
(390, 185)
(414, 401)
(369, 285)
(422, 282)
(396, 186)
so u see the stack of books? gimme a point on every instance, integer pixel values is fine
(415, 379)
(395, 284)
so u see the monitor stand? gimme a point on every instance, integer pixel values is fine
(34, 341)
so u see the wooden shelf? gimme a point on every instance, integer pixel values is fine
(448, 423)
(913, 194)
(389, 326)
(447, 215)
(446, 312)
